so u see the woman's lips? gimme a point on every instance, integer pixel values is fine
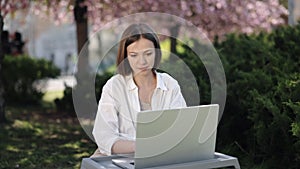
(144, 68)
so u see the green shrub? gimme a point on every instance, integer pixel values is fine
(19, 73)
(261, 119)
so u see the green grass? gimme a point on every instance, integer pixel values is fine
(50, 96)
(39, 138)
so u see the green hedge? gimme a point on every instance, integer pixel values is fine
(19, 73)
(261, 118)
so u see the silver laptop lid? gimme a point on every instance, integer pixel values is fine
(176, 135)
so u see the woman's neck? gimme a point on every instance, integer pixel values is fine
(145, 81)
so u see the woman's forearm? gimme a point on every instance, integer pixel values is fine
(123, 147)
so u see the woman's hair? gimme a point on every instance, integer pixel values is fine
(132, 34)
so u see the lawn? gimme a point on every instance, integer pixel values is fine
(38, 137)
(50, 96)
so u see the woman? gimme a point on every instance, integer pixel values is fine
(136, 87)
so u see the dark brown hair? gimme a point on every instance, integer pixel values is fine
(132, 34)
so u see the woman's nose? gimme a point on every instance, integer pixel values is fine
(142, 60)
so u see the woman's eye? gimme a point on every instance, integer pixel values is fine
(149, 54)
(132, 55)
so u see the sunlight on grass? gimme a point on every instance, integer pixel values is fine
(80, 155)
(24, 161)
(50, 96)
(12, 148)
(22, 125)
(28, 126)
(42, 141)
(71, 145)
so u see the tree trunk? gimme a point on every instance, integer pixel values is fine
(2, 101)
(80, 15)
(84, 102)
(173, 39)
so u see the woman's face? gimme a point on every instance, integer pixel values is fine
(141, 56)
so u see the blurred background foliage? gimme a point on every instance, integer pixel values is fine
(20, 73)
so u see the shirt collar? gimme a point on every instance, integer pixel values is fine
(130, 82)
(159, 83)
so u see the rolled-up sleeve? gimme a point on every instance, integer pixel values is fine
(106, 126)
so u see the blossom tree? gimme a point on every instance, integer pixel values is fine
(213, 17)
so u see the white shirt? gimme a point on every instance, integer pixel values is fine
(119, 105)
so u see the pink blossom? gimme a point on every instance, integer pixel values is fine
(214, 17)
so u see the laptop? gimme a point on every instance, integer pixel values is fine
(173, 136)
